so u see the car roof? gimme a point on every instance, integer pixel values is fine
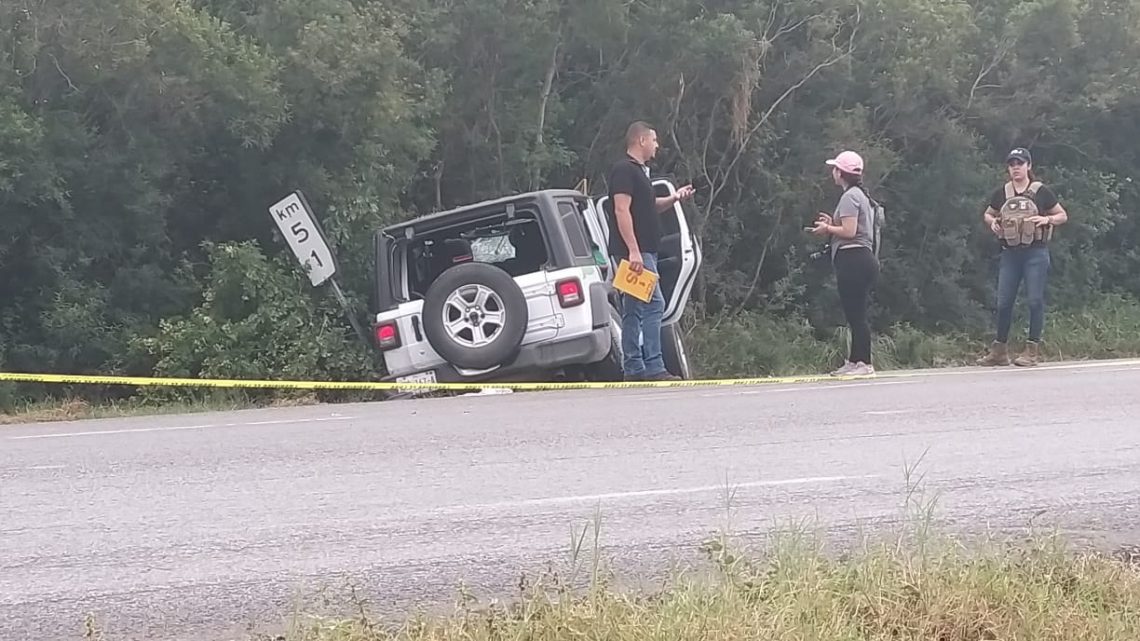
(477, 210)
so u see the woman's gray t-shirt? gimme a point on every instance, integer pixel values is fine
(854, 202)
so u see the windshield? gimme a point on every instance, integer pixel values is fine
(514, 245)
(495, 249)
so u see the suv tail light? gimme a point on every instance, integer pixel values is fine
(570, 292)
(387, 336)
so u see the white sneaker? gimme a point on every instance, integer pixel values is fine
(842, 371)
(861, 369)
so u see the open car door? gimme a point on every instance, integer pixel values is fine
(679, 258)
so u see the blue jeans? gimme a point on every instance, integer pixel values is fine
(641, 329)
(1016, 264)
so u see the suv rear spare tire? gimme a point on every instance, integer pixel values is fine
(475, 316)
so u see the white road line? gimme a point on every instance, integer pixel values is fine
(765, 389)
(1103, 371)
(39, 468)
(899, 377)
(805, 388)
(584, 498)
(835, 386)
(1091, 365)
(293, 420)
(889, 412)
(179, 428)
(1013, 370)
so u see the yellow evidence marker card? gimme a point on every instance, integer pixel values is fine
(640, 286)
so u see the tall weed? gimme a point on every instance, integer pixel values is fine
(752, 344)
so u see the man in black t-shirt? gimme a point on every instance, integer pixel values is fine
(635, 235)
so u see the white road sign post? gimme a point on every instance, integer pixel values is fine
(295, 220)
(297, 223)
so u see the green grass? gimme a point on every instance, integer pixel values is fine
(74, 409)
(914, 585)
(911, 583)
(918, 587)
(69, 405)
(798, 593)
(745, 345)
(752, 344)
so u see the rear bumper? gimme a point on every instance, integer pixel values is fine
(534, 360)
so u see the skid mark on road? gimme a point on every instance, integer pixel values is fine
(179, 428)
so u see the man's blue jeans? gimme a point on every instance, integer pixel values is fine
(1030, 264)
(641, 329)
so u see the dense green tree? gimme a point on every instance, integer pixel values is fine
(141, 142)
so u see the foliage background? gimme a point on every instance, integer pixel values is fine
(141, 142)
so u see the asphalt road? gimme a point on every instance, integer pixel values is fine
(194, 527)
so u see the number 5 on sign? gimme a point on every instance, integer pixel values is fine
(640, 286)
(295, 220)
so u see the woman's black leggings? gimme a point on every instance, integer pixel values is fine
(856, 271)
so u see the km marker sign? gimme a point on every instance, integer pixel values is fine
(295, 220)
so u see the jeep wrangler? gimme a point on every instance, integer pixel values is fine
(516, 289)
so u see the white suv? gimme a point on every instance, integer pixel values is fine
(516, 289)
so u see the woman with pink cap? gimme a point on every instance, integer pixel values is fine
(850, 230)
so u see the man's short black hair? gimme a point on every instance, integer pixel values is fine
(636, 130)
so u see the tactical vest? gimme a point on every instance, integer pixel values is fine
(1015, 231)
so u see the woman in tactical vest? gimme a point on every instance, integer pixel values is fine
(1022, 214)
(855, 262)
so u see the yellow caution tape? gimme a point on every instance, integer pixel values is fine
(396, 386)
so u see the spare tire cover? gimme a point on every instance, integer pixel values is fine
(475, 316)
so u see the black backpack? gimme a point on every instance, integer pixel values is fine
(877, 213)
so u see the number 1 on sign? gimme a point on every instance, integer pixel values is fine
(638, 285)
(297, 224)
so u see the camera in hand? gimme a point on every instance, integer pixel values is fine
(823, 252)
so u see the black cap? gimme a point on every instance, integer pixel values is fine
(1020, 153)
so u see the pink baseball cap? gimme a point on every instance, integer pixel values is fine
(848, 162)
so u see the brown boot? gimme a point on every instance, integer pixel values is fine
(1029, 357)
(999, 355)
